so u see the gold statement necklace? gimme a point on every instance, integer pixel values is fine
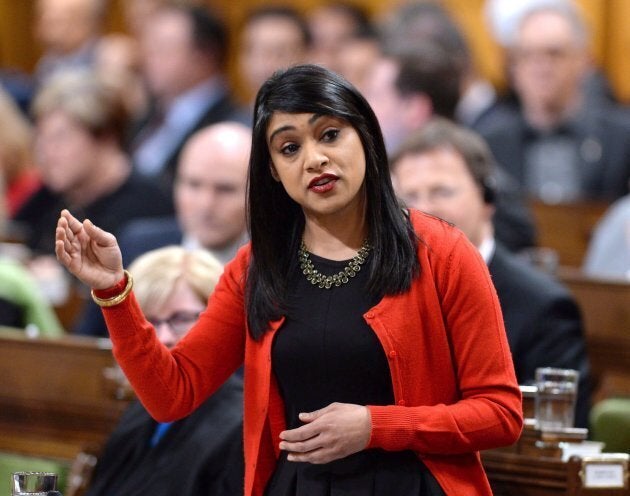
(342, 277)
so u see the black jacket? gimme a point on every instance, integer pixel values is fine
(201, 454)
(543, 324)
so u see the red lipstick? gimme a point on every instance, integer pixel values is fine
(323, 183)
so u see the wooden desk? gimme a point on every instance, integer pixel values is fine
(566, 228)
(511, 474)
(54, 397)
(605, 306)
(534, 466)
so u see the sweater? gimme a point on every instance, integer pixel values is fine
(452, 375)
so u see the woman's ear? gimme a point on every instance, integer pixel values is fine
(273, 171)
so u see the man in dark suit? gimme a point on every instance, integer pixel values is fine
(445, 170)
(183, 54)
(562, 145)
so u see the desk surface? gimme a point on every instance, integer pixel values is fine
(55, 398)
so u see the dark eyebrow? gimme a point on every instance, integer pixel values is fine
(313, 118)
(279, 130)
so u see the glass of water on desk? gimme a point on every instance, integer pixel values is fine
(33, 483)
(555, 398)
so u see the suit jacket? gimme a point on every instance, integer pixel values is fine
(201, 454)
(143, 235)
(223, 110)
(543, 324)
(603, 133)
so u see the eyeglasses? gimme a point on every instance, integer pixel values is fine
(179, 322)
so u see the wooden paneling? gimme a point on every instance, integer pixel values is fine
(609, 19)
(566, 228)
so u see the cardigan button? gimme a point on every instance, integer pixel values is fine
(401, 402)
(370, 315)
(393, 354)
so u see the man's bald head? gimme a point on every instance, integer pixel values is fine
(211, 182)
(64, 26)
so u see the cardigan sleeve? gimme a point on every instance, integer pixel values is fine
(486, 410)
(172, 383)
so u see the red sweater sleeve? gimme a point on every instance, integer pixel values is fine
(172, 383)
(488, 411)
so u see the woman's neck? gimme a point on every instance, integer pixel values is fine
(336, 238)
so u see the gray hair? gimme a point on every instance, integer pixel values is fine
(566, 9)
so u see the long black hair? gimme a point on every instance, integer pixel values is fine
(276, 222)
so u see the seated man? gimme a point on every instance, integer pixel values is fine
(446, 170)
(202, 453)
(562, 145)
(209, 195)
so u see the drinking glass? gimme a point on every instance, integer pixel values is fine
(33, 483)
(555, 398)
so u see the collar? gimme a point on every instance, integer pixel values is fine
(575, 123)
(487, 248)
(223, 255)
(187, 107)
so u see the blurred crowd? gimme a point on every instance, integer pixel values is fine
(141, 132)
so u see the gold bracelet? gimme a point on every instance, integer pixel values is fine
(114, 300)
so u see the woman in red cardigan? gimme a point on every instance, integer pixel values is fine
(374, 352)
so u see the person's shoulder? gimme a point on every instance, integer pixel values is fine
(524, 277)
(618, 212)
(151, 226)
(138, 183)
(147, 233)
(240, 263)
(431, 228)
(42, 199)
(14, 275)
(612, 116)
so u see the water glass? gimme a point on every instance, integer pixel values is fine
(33, 483)
(555, 398)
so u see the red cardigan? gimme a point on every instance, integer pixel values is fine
(451, 368)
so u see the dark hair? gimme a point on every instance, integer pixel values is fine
(283, 12)
(441, 133)
(208, 32)
(355, 15)
(276, 222)
(431, 70)
(415, 24)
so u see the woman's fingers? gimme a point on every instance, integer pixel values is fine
(73, 223)
(97, 235)
(333, 432)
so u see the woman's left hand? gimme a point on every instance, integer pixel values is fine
(334, 432)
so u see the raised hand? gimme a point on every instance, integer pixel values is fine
(334, 432)
(88, 252)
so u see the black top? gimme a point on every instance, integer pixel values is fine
(136, 197)
(325, 352)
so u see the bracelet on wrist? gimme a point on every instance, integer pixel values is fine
(119, 298)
